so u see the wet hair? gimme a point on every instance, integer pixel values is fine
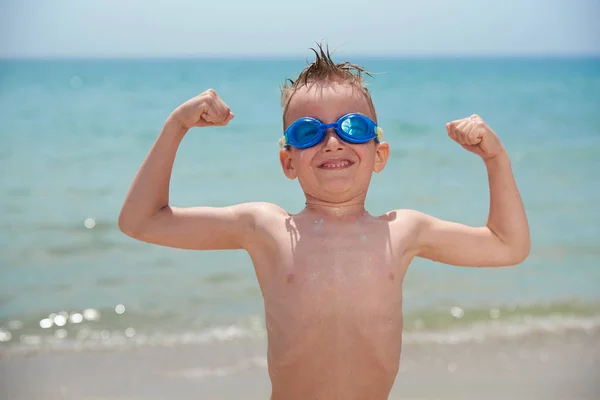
(323, 70)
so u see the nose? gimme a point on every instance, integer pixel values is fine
(332, 142)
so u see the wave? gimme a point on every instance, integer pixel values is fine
(88, 330)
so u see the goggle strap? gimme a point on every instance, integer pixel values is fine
(282, 142)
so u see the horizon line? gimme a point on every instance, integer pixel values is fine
(295, 56)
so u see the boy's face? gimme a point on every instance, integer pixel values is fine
(332, 170)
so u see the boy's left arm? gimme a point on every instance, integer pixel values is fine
(505, 238)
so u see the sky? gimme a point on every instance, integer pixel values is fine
(196, 28)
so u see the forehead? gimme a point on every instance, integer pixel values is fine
(327, 102)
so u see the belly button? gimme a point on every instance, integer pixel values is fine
(391, 276)
(290, 278)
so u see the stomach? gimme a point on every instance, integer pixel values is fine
(331, 356)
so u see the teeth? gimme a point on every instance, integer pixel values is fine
(337, 165)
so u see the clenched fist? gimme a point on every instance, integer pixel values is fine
(206, 109)
(475, 135)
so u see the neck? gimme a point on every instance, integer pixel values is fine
(349, 208)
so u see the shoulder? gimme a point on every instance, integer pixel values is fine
(408, 225)
(258, 213)
(404, 217)
(259, 209)
(262, 222)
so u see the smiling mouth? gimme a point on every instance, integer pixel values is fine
(337, 164)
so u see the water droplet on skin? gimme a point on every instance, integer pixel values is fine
(319, 224)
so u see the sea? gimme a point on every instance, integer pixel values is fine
(73, 133)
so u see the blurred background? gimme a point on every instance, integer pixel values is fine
(86, 86)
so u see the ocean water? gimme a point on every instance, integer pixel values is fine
(74, 132)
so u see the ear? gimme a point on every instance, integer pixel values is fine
(382, 153)
(285, 158)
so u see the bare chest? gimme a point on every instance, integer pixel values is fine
(349, 272)
(333, 303)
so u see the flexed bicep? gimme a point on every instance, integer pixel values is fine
(199, 228)
(462, 245)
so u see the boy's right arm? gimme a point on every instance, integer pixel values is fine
(146, 214)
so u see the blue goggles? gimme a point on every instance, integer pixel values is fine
(352, 128)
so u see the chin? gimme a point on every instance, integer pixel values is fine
(335, 189)
(337, 186)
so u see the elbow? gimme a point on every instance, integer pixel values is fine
(135, 225)
(127, 226)
(517, 259)
(519, 253)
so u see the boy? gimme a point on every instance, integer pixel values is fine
(331, 275)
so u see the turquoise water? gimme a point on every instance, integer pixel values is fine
(74, 133)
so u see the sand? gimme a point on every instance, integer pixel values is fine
(556, 366)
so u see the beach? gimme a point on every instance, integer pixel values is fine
(89, 313)
(561, 366)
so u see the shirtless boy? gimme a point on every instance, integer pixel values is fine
(331, 275)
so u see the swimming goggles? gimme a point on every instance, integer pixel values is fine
(352, 128)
